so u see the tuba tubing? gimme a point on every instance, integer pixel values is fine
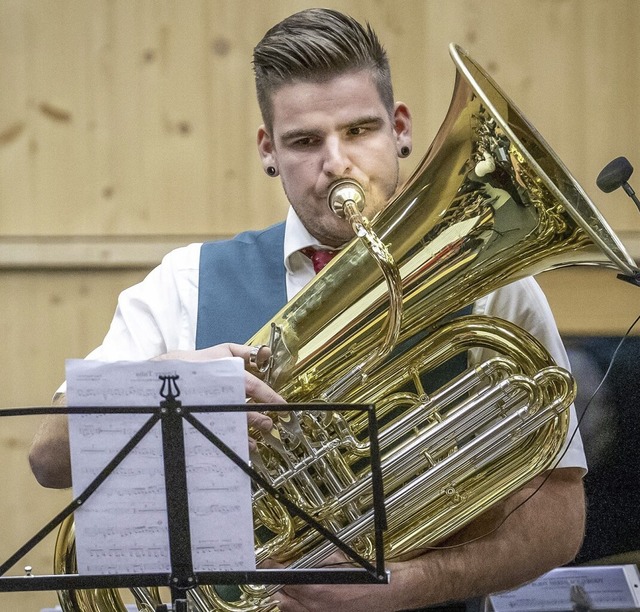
(489, 203)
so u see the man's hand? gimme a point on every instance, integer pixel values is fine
(256, 389)
(49, 455)
(343, 597)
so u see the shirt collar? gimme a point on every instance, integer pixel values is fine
(296, 237)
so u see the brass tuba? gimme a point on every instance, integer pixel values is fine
(489, 204)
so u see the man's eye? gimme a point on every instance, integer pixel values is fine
(303, 142)
(356, 131)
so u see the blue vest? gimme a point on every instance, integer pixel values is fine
(242, 286)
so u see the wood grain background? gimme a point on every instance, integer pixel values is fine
(128, 126)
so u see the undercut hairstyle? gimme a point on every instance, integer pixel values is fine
(316, 45)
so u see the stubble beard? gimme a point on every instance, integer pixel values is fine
(335, 231)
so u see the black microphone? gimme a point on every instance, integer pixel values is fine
(616, 174)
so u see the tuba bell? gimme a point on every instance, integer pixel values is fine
(489, 203)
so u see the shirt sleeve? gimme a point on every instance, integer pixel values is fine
(524, 304)
(158, 314)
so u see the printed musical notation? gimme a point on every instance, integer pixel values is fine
(123, 527)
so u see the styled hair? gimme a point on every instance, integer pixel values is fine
(317, 45)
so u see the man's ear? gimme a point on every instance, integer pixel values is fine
(402, 127)
(265, 149)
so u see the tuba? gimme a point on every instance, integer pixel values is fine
(489, 204)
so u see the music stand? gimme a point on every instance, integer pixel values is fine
(182, 577)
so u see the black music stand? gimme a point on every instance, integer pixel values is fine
(171, 414)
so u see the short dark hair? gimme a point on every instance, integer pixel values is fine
(317, 45)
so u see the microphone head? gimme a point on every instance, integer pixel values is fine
(615, 174)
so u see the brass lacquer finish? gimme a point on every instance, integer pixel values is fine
(489, 204)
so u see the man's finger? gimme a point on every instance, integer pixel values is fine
(259, 421)
(259, 391)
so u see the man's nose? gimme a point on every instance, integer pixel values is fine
(336, 162)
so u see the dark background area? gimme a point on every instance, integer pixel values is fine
(611, 435)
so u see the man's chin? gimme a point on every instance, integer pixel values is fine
(339, 239)
(334, 233)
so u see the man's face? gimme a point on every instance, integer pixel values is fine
(323, 132)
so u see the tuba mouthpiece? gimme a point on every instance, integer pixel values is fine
(344, 192)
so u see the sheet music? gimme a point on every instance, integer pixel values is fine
(607, 587)
(123, 527)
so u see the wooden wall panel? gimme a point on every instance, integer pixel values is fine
(134, 122)
(139, 117)
(45, 317)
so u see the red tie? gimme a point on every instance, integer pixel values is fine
(319, 257)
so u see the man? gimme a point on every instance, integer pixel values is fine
(326, 99)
